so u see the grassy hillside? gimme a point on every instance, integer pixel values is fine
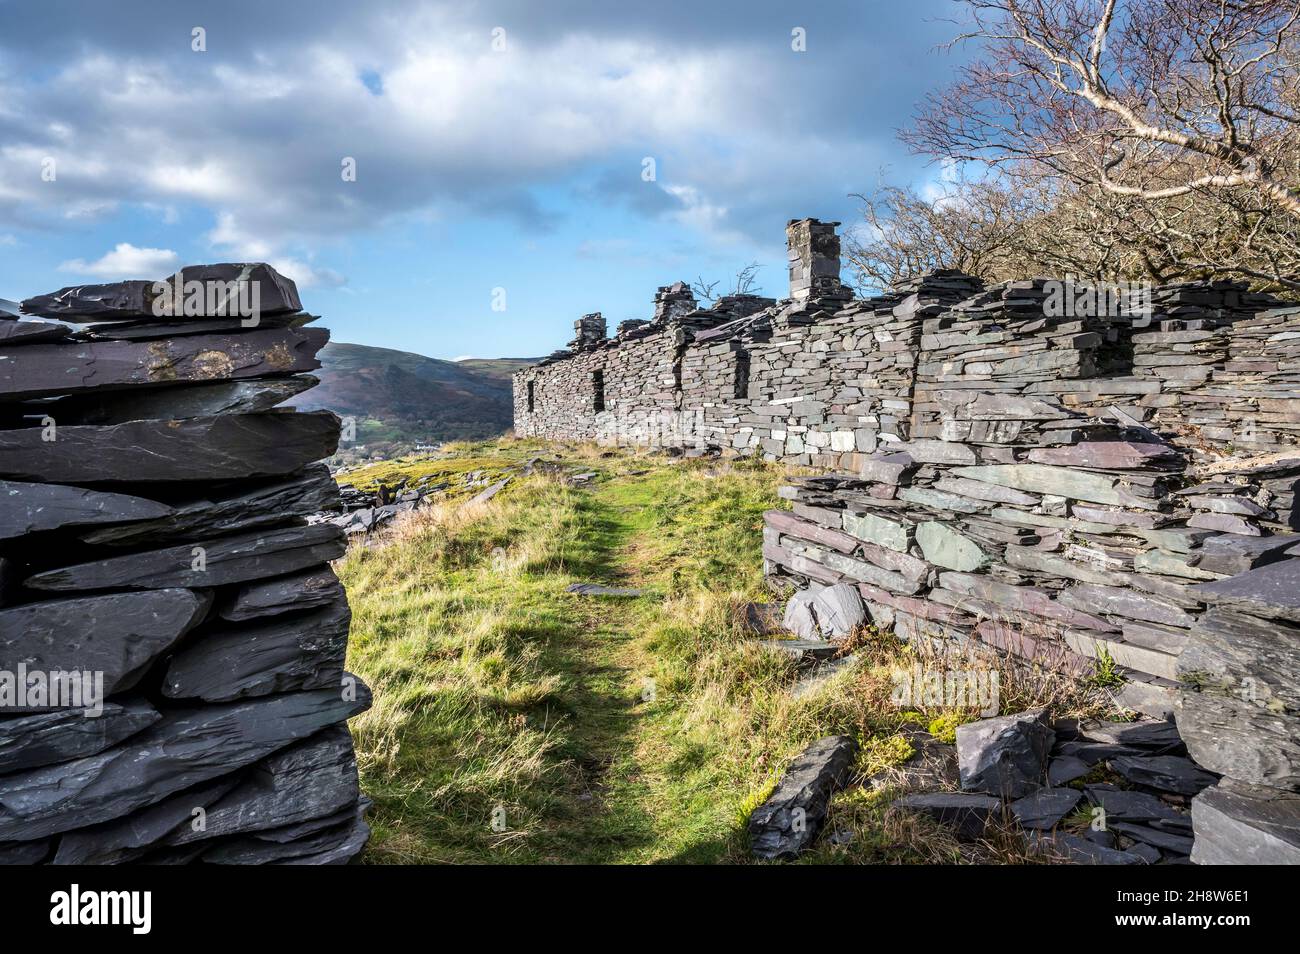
(398, 398)
(639, 730)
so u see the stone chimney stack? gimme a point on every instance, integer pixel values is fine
(673, 301)
(814, 260)
(588, 332)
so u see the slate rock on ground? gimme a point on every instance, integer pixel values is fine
(788, 822)
(1168, 773)
(599, 589)
(1242, 824)
(968, 814)
(1045, 808)
(1006, 755)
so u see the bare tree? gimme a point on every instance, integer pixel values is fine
(1173, 108)
(745, 283)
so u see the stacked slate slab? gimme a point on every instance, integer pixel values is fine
(1049, 534)
(1240, 710)
(154, 535)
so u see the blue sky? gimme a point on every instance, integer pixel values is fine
(496, 144)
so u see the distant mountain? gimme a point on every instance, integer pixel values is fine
(399, 398)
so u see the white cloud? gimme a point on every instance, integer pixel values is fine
(464, 357)
(307, 276)
(127, 261)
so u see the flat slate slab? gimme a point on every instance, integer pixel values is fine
(790, 819)
(118, 634)
(1168, 773)
(1045, 808)
(281, 655)
(116, 301)
(1244, 825)
(131, 837)
(305, 590)
(599, 589)
(176, 402)
(968, 814)
(187, 747)
(43, 370)
(1232, 553)
(228, 447)
(43, 738)
(1271, 591)
(225, 560)
(309, 492)
(30, 508)
(1158, 736)
(313, 779)
(31, 332)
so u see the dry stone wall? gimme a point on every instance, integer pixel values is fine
(172, 638)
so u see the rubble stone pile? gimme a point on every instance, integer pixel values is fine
(172, 638)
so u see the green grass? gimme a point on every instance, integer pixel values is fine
(599, 731)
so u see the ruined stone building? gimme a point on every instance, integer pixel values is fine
(823, 377)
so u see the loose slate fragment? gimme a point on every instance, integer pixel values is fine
(1232, 553)
(1045, 808)
(29, 741)
(1168, 773)
(229, 447)
(187, 747)
(145, 299)
(1161, 737)
(310, 780)
(224, 560)
(966, 813)
(283, 655)
(117, 635)
(41, 370)
(599, 589)
(30, 508)
(1004, 756)
(285, 594)
(790, 819)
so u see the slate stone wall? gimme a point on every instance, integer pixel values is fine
(160, 561)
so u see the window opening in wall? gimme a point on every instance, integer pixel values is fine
(742, 374)
(532, 396)
(598, 386)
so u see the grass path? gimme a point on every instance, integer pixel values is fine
(517, 723)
